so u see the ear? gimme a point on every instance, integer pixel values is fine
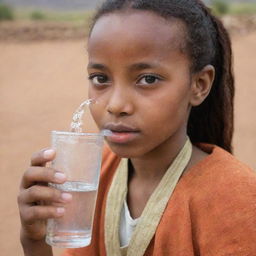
(201, 85)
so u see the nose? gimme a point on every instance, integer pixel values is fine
(120, 103)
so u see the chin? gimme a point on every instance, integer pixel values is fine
(125, 151)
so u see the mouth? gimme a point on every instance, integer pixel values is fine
(121, 133)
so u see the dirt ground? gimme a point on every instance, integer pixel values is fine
(42, 83)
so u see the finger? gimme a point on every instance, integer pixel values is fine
(39, 193)
(31, 214)
(42, 157)
(45, 175)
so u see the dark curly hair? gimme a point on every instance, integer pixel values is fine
(207, 43)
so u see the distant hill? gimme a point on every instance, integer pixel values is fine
(74, 4)
(233, 1)
(55, 4)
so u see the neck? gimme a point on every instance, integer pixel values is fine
(153, 165)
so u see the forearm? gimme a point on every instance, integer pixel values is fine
(36, 248)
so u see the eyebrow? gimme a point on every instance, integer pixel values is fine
(142, 65)
(133, 67)
(97, 66)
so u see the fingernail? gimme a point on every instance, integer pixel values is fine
(66, 196)
(48, 153)
(60, 210)
(60, 176)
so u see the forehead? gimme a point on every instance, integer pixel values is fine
(146, 31)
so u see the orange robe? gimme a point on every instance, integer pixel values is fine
(212, 211)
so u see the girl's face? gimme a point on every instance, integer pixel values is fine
(140, 78)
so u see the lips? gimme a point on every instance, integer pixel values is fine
(121, 133)
(119, 127)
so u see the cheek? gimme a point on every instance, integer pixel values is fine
(97, 114)
(97, 107)
(168, 113)
(99, 96)
(91, 93)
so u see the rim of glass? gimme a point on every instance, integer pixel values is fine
(78, 133)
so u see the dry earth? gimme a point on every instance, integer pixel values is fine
(41, 84)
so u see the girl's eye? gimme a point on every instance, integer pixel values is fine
(148, 79)
(98, 79)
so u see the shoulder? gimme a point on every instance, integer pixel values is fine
(219, 182)
(220, 185)
(221, 178)
(220, 170)
(222, 197)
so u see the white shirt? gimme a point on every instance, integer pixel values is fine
(127, 226)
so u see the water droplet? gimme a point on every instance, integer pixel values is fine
(76, 124)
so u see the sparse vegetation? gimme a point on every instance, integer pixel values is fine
(242, 8)
(74, 17)
(37, 15)
(6, 12)
(220, 7)
(54, 24)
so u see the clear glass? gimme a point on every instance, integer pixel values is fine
(78, 155)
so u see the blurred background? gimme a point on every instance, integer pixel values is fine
(43, 80)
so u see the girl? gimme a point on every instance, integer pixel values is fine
(162, 74)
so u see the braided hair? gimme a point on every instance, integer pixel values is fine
(207, 43)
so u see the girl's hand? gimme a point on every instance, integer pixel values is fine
(38, 202)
